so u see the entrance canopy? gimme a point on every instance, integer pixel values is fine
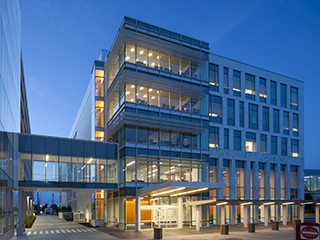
(175, 189)
(250, 202)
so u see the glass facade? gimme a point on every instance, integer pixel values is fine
(63, 162)
(215, 112)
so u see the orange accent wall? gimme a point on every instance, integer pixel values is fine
(131, 212)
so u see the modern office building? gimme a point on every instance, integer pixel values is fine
(188, 121)
(14, 115)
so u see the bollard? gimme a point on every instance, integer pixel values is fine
(157, 233)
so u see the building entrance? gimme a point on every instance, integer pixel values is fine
(159, 216)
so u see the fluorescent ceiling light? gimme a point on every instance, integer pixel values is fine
(158, 194)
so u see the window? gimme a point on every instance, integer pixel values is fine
(214, 77)
(261, 180)
(286, 123)
(273, 181)
(294, 182)
(283, 95)
(240, 180)
(294, 98)
(263, 90)
(241, 118)
(275, 121)
(142, 135)
(274, 145)
(284, 147)
(214, 137)
(250, 142)
(216, 109)
(295, 124)
(263, 143)
(265, 118)
(250, 87)
(294, 148)
(230, 112)
(236, 84)
(253, 116)
(226, 138)
(236, 140)
(225, 80)
(273, 92)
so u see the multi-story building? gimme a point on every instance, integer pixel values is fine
(181, 114)
(14, 116)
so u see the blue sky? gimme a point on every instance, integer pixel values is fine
(61, 39)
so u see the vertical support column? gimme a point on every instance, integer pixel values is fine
(21, 203)
(138, 213)
(180, 212)
(245, 217)
(7, 204)
(220, 180)
(255, 176)
(198, 218)
(317, 213)
(266, 215)
(278, 191)
(302, 213)
(223, 213)
(284, 214)
(11, 208)
(232, 192)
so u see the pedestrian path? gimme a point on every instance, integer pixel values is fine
(60, 231)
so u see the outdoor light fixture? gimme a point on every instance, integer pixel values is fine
(305, 203)
(130, 163)
(222, 203)
(162, 193)
(269, 203)
(248, 203)
(288, 203)
(198, 190)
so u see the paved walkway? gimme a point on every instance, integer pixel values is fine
(51, 228)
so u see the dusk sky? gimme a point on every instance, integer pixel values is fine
(62, 38)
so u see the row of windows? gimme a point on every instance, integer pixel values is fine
(250, 87)
(251, 142)
(259, 169)
(215, 113)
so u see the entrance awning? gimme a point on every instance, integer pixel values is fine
(250, 202)
(174, 189)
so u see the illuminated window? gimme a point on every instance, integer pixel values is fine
(214, 137)
(99, 136)
(250, 142)
(236, 84)
(294, 98)
(99, 87)
(214, 77)
(295, 148)
(263, 90)
(99, 73)
(250, 87)
(99, 114)
(295, 124)
(286, 123)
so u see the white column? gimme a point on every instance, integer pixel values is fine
(317, 213)
(284, 214)
(302, 213)
(222, 217)
(198, 218)
(180, 212)
(21, 209)
(245, 217)
(138, 213)
(266, 215)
